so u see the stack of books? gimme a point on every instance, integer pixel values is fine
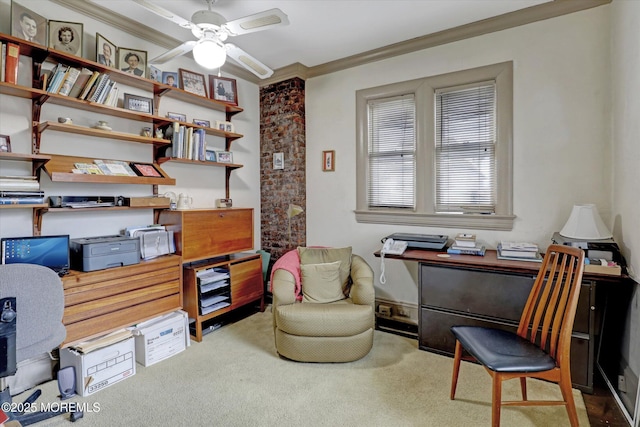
(20, 190)
(466, 244)
(519, 251)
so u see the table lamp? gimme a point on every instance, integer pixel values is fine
(585, 223)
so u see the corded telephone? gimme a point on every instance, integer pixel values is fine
(393, 247)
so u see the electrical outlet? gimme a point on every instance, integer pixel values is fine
(384, 310)
(400, 312)
(622, 384)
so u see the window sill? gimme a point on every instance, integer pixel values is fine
(471, 221)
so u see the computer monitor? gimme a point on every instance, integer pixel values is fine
(49, 251)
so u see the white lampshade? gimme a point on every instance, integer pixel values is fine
(209, 54)
(585, 223)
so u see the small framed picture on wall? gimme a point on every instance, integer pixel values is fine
(105, 51)
(132, 61)
(328, 161)
(66, 37)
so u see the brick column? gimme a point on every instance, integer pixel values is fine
(282, 130)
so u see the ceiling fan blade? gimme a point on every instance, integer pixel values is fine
(248, 61)
(167, 14)
(176, 51)
(257, 22)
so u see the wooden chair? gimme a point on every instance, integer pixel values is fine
(540, 347)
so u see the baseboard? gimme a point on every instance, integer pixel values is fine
(397, 317)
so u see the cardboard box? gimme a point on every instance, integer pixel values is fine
(100, 368)
(161, 338)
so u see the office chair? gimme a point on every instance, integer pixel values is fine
(540, 347)
(31, 309)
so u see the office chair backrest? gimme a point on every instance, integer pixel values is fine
(39, 307)
(547, 318)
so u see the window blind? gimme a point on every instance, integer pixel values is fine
(466, 149)
(392, 152)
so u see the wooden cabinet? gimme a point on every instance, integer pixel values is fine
(486, 291)
(209, 233)
(244, 284)
(102, 301)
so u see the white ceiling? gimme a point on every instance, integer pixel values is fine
(321, 31)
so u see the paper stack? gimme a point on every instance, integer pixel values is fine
(466, 244)
(521, 251)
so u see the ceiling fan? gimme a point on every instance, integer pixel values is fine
(212, 29)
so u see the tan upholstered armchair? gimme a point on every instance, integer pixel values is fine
(316, 325)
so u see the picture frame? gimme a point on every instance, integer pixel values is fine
(132, 61)
(228, 127)
(138, 103)
(28, 25)
(177, 116)
(106, 51)
(328, 160)
(155, 73)
(223, 89)
(278, 161)
(66, 37)
(210, 156)
(5, 144)
(200, 122)
(145, 169)
(221, 125)
(170, 78)
(192, 82)
(224, 156)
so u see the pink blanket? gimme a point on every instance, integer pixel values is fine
(291, 263)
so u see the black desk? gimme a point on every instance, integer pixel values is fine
(487, 291)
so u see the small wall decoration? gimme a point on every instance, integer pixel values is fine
(278, 160)
(5, 144)
(224, 156)
(132, 61)
(155, 73)
(145, 169)
(177, 116)
(138, 103)
(205, 123)
(192, 82)
(105, 51)
(66, 37)
(28, 25)
(170, 78)
(328, 160)
(223, 89)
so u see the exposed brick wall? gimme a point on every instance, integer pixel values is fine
(282, 130)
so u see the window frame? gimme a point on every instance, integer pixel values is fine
(424, 90)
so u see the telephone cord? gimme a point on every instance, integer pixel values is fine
(383, 279)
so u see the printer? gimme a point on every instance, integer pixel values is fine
(98, 253)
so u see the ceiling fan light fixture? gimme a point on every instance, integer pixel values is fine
(209, 54)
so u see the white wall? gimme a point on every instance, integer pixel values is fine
(562, 138)
(204, 184)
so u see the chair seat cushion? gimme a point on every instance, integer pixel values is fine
(337, 319)
(502, 351)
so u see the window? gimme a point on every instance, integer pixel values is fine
(437, 151)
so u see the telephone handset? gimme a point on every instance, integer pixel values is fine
(393, 247)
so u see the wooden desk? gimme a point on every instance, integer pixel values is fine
(487, 291)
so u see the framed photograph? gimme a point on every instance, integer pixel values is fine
(132, 61)
(170, 78)
(228, 127)
(278, 160)
(223, 89)
(205, 123)
(105, 51)
(137, 103)
(66, 37)
(28, 25)
(192, 82)
(155, 73)
(5, 144)
(210, 156)
(224, 156)
(221, 125)
(328, 161)
(177, 116)
(145, 169)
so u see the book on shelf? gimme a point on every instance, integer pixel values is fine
(21, 200)
(82, 79)
(536, 258)
(58, 76)
(21, 193)
(3, 60)
(465, 239)
(87, 87)
(478, 250)
(19, 183)
(87, 168)
(69, 81)
(515, 253)
(11, 63)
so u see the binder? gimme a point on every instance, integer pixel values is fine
(11, 67)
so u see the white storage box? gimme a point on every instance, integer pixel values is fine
(31, 372)
(161, 338)
(100, 368)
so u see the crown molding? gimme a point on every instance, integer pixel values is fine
(138, 30)
(517, 18)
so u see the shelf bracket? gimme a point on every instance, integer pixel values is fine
(226, 182)
(37, 220)
(36, 109)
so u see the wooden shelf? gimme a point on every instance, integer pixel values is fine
(198, 162)
(82, 130)
(24, 206)
(59, 170)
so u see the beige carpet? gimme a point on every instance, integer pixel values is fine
(235, 378)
